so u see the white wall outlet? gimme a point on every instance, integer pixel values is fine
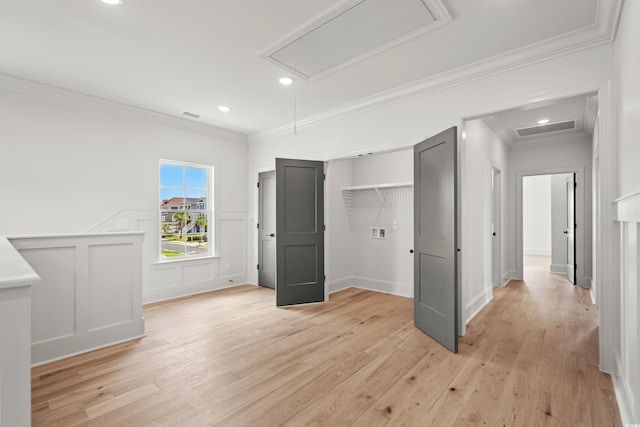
(374, 233)
(382, 233)
(394, 225)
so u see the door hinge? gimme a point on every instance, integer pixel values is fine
(324, 176)
(325, 227)
(257, 266)
(575, 185)
(258, 225)
(325, 278)
(258, 185)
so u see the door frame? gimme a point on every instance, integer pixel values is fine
(580, 241)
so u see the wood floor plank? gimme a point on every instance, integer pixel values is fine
(231, 358)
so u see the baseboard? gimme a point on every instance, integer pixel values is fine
(508, 276)
(558, 268)
(399, 289)
(545, 252)
(474, 306)
(60, 348)
(172, 292)
(622, 398)
(340, 284)
(592, 292)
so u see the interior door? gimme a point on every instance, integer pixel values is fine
(496, 252)
(435, 237)
(571, 229)
(299, 231)
(267, 229)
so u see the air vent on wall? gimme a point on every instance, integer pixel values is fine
(190, 114)
(553, 127)
(355, 30)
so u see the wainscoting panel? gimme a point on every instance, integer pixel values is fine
(626, 377)
(90, 295)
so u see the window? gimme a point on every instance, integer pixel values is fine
(185, 210)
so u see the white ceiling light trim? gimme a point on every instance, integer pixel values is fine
(224, 108)
(112, 2)
(286, 81)
(352, 32)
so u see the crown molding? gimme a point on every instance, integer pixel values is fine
(578, 136)
(608, 13)
(8, 82)
(499, 129)
(556, 47)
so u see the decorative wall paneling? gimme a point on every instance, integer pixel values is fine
(90, 295)
(16, 279)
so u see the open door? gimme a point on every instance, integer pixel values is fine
(571, 229)
(435, 237)
(496, 210)
(299, 231)
(267, 229)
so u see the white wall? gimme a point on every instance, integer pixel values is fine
(561, 156)
(626, 298)
(384, 264)
(410, 116)
(482, 150)
(356, 259)
(71, 164)
(340, 244)
(536, 215)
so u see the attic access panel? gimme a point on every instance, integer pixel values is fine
(354, 31)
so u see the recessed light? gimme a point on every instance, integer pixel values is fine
(112, 2)
(543, 121)
(224, 108)
(286, 81)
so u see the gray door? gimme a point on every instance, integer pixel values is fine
(496, 210)
(299, 231)
(267, 229)
(435, 236)
(571, 228)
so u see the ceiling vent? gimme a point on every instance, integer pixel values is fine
(190, 114)
(356, 30)
(553, 127)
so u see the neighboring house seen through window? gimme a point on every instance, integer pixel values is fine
(185, 210)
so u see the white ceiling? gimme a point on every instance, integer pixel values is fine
(173, 56)
(581, 109)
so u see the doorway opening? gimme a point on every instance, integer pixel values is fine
(549, 223)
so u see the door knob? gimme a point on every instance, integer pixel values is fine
(565, 232)
(272, 235)
(494, 234)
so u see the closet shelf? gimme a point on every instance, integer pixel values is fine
(378, 186)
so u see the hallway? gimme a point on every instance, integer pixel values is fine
(546, 330)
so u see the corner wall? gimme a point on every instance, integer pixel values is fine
(624, 345)
(73, 164)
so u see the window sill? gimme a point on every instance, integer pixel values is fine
(183, 260)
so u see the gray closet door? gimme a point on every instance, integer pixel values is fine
(267, 229)
(435, 237)
(571, 229)
(299, 231)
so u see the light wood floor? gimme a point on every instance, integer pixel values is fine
(231, 358)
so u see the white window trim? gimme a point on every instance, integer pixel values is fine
(210, 212)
